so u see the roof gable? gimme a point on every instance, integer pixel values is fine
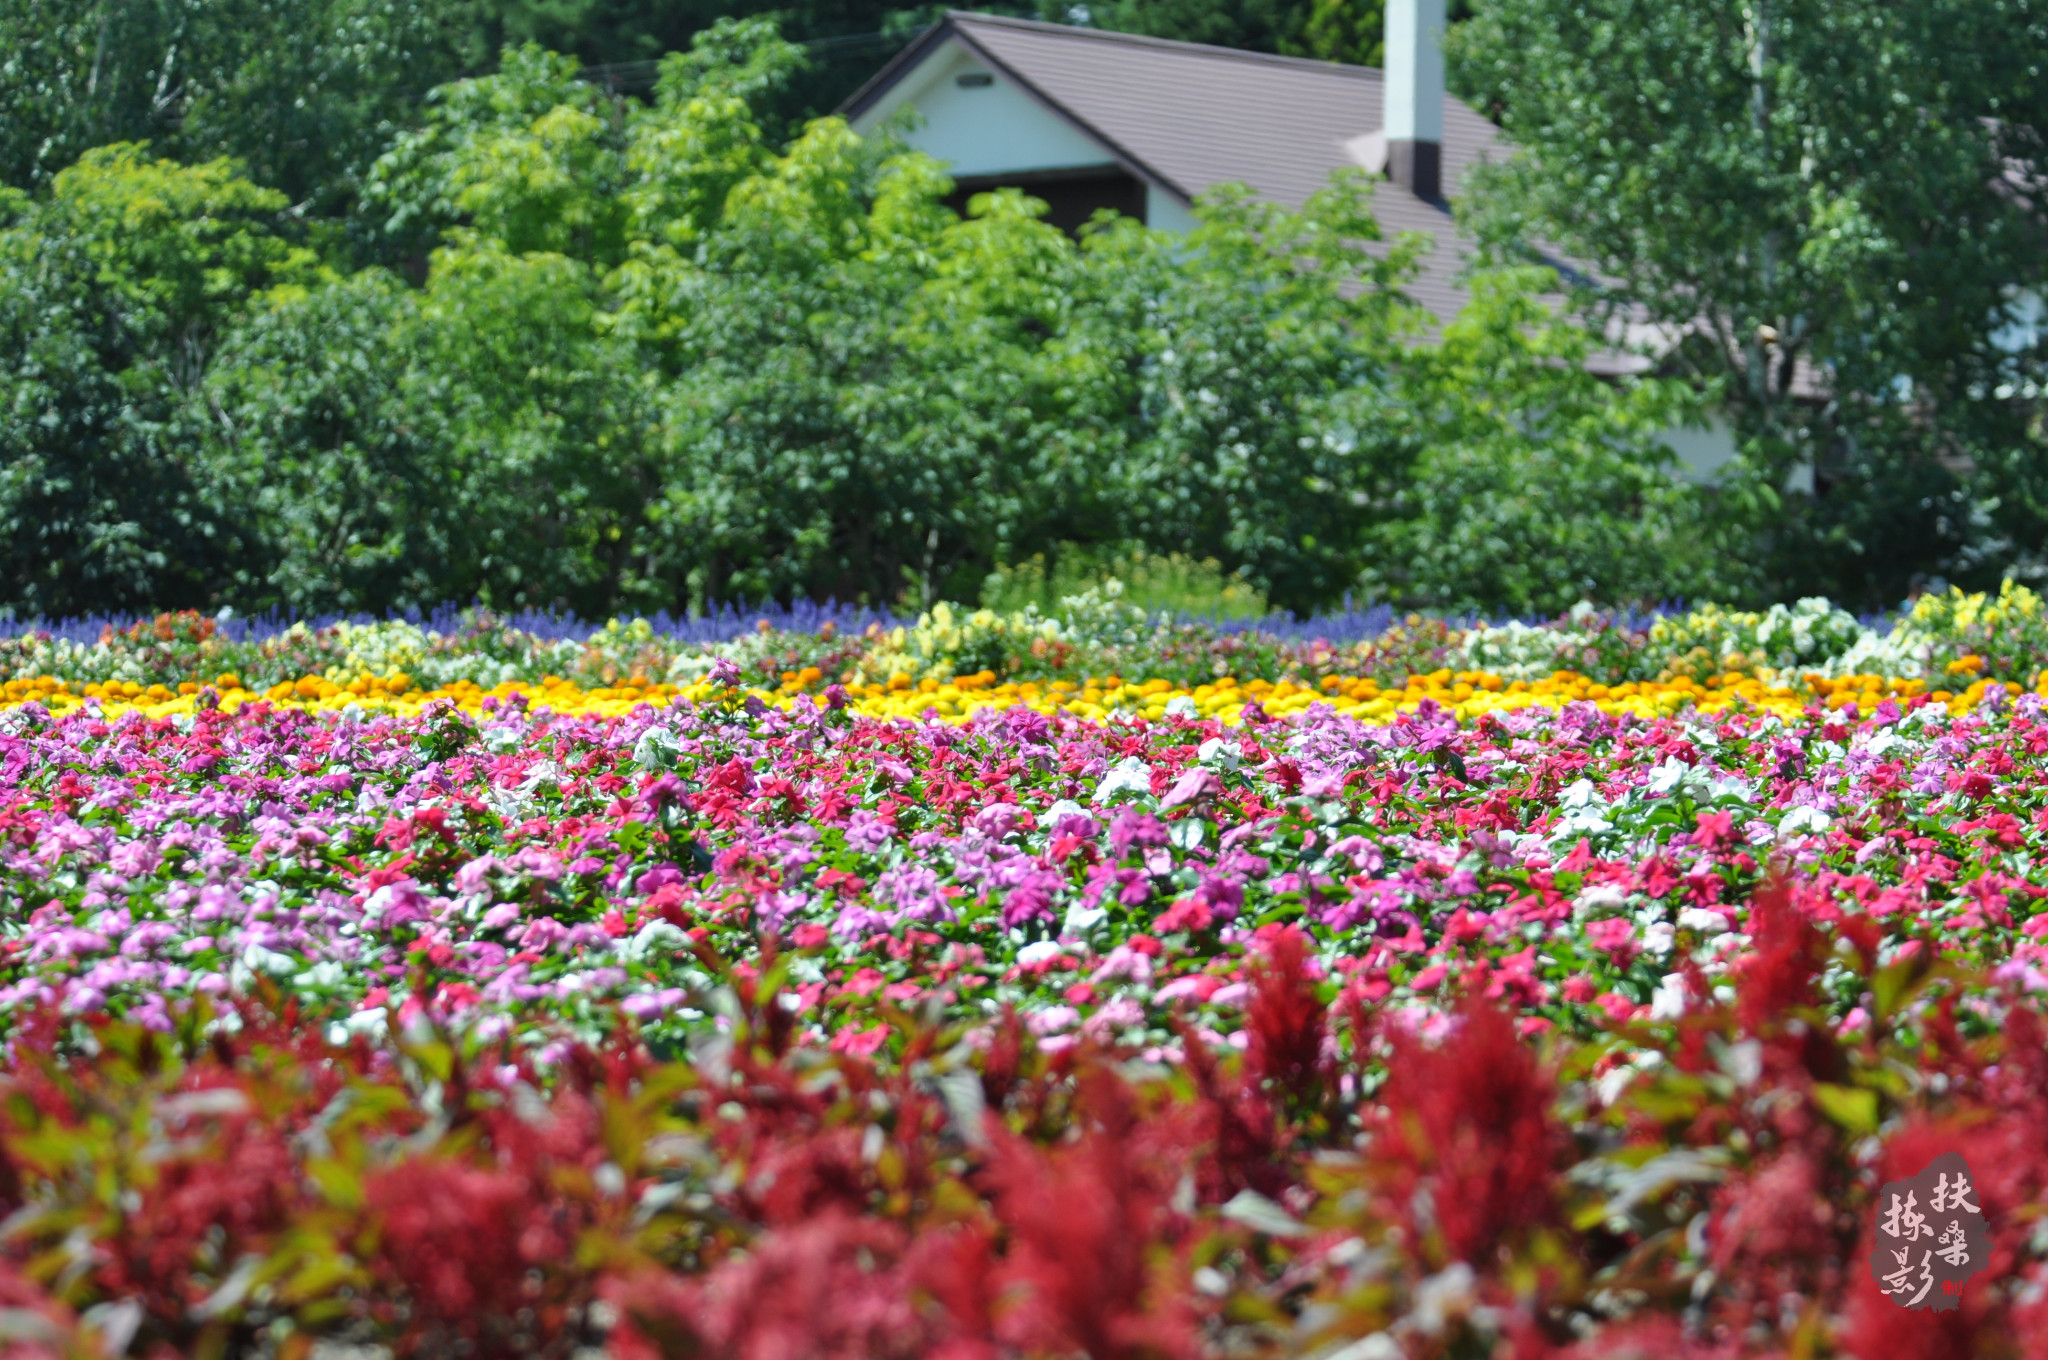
(979, 131)
(1183, 117)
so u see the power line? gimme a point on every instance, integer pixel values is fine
(627, 75)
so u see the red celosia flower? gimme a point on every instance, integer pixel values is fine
(1284, 1020)
(827, 1289)
(1469, 1121)
(1777, 974)
(1089, 1268)
(460, 1241)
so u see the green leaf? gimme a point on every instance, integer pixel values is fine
(1852, 1107)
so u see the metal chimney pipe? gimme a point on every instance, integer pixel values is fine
(1414, 86)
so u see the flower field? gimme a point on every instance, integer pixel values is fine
(838, 988)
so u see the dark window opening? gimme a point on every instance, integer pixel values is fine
(1071, 196)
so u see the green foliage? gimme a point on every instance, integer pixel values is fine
(169, 252)
(114, 292)
(305, 92)
(1350, 31)
(339, 478)
(1172, 584)
(530, 157)
(1266, 389)
(1535, 483)
(1258, 25)
(1812, 194)
(1346, 31)
(650, 361)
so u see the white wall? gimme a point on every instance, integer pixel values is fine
(1164, 211)
(1705, 452)
(994, 129)
(1702, 452)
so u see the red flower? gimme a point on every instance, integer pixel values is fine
(1470, 1121)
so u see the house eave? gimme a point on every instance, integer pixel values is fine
(864, 99)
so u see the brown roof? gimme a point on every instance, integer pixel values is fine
(1186, 117)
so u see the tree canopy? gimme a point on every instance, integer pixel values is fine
(651, 358)
(1833, 208)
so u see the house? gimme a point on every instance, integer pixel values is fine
(1085, 120)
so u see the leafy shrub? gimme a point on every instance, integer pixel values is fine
(641, 357)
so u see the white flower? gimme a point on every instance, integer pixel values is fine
(545, 774)
(1702, 920)
(1064, 808)
(1129, 775)
(1668, 1001)
(656, 934)
(1081, 920)
(1580, 794)
(1659, 937)
(657, 748)
(1731, 787)
(1674, 776)
(1602, 899)
(1804, 820)
(371, 1022)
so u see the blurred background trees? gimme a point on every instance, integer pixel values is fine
(1833, 208)
(295, 320)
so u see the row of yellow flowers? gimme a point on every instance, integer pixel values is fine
(1468, 693)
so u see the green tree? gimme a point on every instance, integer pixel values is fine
(1531, 483)
(322, 451)
(302, 92)
(856, 395)
(1815, 202)
(1346, 30)
(643, 359)
(115, 291)
(380, 447)
(1269, 339)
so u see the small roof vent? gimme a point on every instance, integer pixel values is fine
(974, 80)
(1368, 150)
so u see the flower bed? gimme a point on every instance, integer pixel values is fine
(1704, 1187)
(1944, 641)
(526, 868)
(1464, 1009)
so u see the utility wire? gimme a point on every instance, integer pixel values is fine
(628, 75)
